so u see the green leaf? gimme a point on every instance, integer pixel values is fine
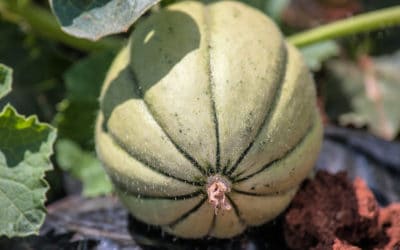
(83, 166)
(76, 119)
(77, 113)
(5, 80)
(274, 8)
(85, 78)
(93, 19)
(366, 94)
(25, 148)
(317, 53)
(37, 69)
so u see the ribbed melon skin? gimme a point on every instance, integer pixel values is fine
(203, 90)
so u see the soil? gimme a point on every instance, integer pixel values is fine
(330, 212)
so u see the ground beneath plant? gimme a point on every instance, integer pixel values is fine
(333, 211)
(330, 212)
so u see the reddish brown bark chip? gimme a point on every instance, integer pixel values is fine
(389, 221)
(341, 245)
(329, 212)
(367, 205)
(366, 226)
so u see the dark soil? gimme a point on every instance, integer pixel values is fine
(330, 212)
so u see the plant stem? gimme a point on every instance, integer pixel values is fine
(45, 24)
(373, 20)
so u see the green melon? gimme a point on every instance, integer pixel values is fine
(208, 120)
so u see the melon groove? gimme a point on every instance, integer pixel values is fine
(185, 154)
(286, 154)
(188, 213)
(271, 109)
(158, 170)
(211, 83)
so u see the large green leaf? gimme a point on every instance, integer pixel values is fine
(5, 80)
(93, 19)
(315, 54)
(274, 8)
(76, 119)
(366, 94)
(83, 166)
(25, 148)
(77, 113)
(37, 66)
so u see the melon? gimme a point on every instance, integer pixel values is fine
(208, 120)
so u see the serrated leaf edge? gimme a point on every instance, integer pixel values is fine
(7, 82)
(51, 140)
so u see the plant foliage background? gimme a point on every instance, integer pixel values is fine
(56, 78)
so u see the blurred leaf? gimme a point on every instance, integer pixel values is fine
(93, 19)
(25, 148)
(33, 59)
(5, 80)
(367, 94)
(37, 66)
(83, 166)
(259, 4)
(303, 14)
(77, 113)
(85, 78)
(317, 53)
(274, 8)
(76, 119)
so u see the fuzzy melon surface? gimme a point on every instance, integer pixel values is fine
(201, 91)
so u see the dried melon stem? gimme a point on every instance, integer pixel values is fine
(217, 186)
